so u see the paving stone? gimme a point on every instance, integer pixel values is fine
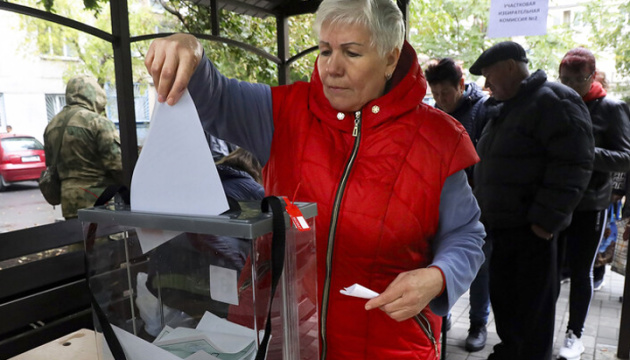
(601, 329)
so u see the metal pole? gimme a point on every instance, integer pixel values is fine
(216, 19)
(282, 25)
(124, 86)
(623, 346)
(403, 5)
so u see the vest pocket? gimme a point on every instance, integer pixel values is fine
(424, 324)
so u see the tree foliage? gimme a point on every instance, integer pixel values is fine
(261, 33)
(96, 56)
(437, 28)
(449, 28)
(609, 25)
(457, 29)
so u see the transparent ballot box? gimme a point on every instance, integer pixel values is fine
(199, 288)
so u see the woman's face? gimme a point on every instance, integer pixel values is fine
(579, 81)
(351, 70)
(447, 95)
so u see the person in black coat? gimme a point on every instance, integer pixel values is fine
(611, 131)
(466, 103)
(536, 161)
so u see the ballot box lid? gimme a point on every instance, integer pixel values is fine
(249, 222)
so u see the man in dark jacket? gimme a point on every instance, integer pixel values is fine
(611, 131)
(466, 103)
(536, 161)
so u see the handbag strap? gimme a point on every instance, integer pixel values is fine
(277, 261)
(64, 124)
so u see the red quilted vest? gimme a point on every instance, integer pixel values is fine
(380, 190)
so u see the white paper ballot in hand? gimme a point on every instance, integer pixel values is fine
(175, 173)
(359, 291)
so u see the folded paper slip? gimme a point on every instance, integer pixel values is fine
(359, 291)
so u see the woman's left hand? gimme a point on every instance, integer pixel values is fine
(409, 293)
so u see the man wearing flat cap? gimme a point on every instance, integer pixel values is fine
(536, 160)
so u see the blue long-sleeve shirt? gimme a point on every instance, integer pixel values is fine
(241, 113)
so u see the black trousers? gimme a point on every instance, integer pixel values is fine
(580, 242)
(523, 287)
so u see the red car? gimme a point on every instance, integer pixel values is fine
(21, 159)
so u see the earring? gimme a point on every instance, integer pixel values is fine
(388, 76)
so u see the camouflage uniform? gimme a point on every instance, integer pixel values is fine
(89, 158)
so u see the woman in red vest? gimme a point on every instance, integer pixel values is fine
(395, 212)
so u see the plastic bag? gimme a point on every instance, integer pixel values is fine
(621, 248)
(149, 308)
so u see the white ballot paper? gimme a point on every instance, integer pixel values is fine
(137, 349)
(359, 291)
(175, 173)
(213, 338)
(151, 238)
(202, 355)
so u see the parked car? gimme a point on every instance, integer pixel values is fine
(21, 159)
(429, 100)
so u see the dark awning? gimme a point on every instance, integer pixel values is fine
(265, 8)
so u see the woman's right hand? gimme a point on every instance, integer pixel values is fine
(171, 61)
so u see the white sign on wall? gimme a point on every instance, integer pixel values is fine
(517, 18)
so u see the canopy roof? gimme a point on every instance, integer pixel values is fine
(266, 8)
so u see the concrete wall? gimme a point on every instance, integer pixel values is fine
(25, 79)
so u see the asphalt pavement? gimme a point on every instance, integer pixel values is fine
(23, 206)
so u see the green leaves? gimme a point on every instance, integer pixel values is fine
(443, 28)
(437, 28)
(457, 29)
(261, 33)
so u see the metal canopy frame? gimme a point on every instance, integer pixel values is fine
(121, 43)
(281, 10)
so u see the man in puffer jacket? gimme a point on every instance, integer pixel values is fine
(536, 161)
(611, 130)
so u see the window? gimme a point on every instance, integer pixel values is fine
(54, 104)
(3, 116)
(54, 41)
(141, 104)
(16, 144)
(566, 17)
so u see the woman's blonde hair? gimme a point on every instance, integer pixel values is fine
(382, 18)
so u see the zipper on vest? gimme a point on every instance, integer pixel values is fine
(426, 328)
(333, 227)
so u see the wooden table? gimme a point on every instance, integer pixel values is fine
(79, 345)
